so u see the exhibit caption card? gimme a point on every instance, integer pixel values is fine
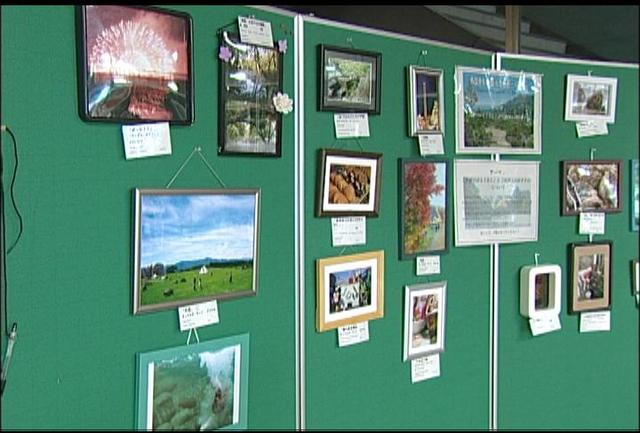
(544, 325)
(590, 128)
(198, 315)
(256, 32)
(351, 125)
(146, 139)
(595, 321)
(427, 265)
(348, 231)
(431, 144)
(425, 368)
(353, 334)
(591, 223)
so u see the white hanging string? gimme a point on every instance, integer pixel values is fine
(197, 150)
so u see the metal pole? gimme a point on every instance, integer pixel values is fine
(512, 26)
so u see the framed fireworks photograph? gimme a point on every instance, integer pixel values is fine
(134, 64)
(424, 319)
(590, 98)
(423, 206)
(590, 276)
(426, 100)
(591, 186)
(350, 289)
(194, 246)
(194, 387)
(349, 183)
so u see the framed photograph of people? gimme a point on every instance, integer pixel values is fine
(193, 246)
(590, 276)
(635, 194)
(423, 206)
(424, 319)
(590, 98)
(426, 100)
(250, 77)
(349, 80)
(349, 183)
(495, 201)
(591, 186)
(195, 387)
(498, 111)
(135, 64)
(350, 289)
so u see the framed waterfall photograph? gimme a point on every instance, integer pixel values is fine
(424, 319)
(590, 98)
(426, 100)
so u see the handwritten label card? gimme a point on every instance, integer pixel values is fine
(353, 334)
(595, 321)
(351, 125)
(255, 32)
(431, 144)
(197, 315)
(591, 127)
(425, 368)
(349, 231)
(426, 265)
(146, 139)
(545, 325)
(591, 223)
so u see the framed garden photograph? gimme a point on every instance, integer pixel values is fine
(591, 186)
(635, 195)
(350, 289)
(135, 64)
(424, 319)
(250, 76)
(426, 100)
(349, 183)
(194, 387)
(193, 246)
(498, 111)
(423, 206)
(590, 98)
(590, 276)
(349, 80)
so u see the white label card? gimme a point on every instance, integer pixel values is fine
(591, 127)
(426, 265)
(591, 223)
(545, 325)
(596, 321)
(348, 231)
(351, 125)
(146, 139)
(353, 334)
(425, 368)
(197, 315)
(431, 144)
(256, 32)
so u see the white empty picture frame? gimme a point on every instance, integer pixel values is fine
(590, 98)
(540, 291)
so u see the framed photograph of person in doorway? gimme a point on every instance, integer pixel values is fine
(590, 276)
(424, 319)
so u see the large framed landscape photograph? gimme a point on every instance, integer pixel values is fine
(498, 111)
(424, 319)
(591, 186)
(193, 246)
(197, 387)
(590, 98)
(590, 276)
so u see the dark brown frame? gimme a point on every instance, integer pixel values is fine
(564, 202)
(575, 305)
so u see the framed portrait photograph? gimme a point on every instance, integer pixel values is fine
(193, 246)
(350, 289)
(498, 111)
(591, 186)
(194, 387)
(590, 98)
(590, 276)
(349, 183)
(426, 100)
(135, 64)
(495, 201)
(349, 80)
(250, 76)
(423, 206)
(424, 319)
(635, 195)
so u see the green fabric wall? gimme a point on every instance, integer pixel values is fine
(70, 277)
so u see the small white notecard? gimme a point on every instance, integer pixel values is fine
(544, 325)
(353, 334)
(425, 368)
(431, 144)
(591, 127)
(591, 223)
(253, 31)
(197, 315)
(351, 125)
(146, 139)
(426, 265)
(595, 321)
(349, 231)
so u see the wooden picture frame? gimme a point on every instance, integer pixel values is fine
(591, 186)
(590, 276)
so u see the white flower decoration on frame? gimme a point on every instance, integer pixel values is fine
(283, 103)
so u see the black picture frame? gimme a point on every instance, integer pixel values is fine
(153, 84)
(581, 193)
(247, 137)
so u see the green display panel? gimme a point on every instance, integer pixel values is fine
(367, 385)
(567, 379)
(70, 276)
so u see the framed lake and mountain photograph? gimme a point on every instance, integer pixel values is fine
(134, 64)
(498, 111)
(426, 100)
(194, 387)
(590, 98)
(194, 245)
(591, 186)
(590, 276)
(349, 80)
(350, 289)
(423, 207)
(250, 76)
(424, 319)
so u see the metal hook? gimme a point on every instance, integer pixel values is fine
(590, 238)
(591, 153)
(536, 255)
(350, 41)
(589, 72)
